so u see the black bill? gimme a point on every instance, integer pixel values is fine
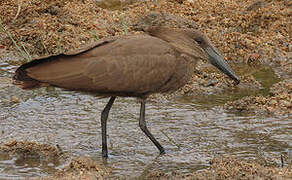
(218, 61)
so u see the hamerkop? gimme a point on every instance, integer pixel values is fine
(160, 60)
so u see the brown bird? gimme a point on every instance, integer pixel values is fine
(159, 61)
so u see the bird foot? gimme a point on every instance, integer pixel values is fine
(162, 152)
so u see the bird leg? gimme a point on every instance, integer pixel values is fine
(142, 124)
(104, 116)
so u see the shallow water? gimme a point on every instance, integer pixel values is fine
(192, 130)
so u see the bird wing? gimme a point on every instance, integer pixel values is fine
(132, 64)
(95, 44)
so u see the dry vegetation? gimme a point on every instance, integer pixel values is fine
(238, 28)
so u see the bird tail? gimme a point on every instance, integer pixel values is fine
(22, 80)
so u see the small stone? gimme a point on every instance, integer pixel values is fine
(254, 58)
(11, 143)
(286, 104)
(211, 83)
(270, 109)
(15, 99)
(290, 47)
(273, 102)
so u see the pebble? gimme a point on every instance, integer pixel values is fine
(15, 99)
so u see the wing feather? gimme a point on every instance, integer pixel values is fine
(137, 64)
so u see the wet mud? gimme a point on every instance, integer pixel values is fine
(32, 149)
(278, 101)
(81, 168)
(229, 167)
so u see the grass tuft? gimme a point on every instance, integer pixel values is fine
(24, 53)
(124, 23)
(95, 35)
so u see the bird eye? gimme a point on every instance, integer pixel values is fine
(199, 41)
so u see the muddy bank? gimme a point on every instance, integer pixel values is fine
(31, 149)
(221, 167)
(244, 30)
(76, 168)
(277, 102)
(81, 168)
(228, 167)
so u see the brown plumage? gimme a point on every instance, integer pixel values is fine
(133, 66)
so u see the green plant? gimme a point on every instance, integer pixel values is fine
(124, 23)
(59, 44)
(28, 56)
(95, 35)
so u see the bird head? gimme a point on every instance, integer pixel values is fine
(208, 49)
(185, 36)
(195, 44)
